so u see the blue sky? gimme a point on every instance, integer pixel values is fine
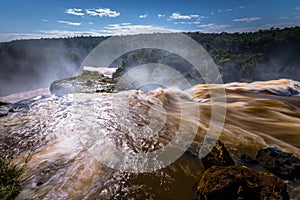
(64, 18)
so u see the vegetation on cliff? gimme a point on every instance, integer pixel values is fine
(242, 57)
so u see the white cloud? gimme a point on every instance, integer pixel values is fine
(143, 16)
(213, 27)
(283, 18)
(297, 8)
(189, 23)
(119, 29)
(70, 23)
(102, 12)
(264, 26)
(18, 36)
(230, 9)
(112, 29)
(247, 19)
(160, 15)
(128, 29)
(91, 23)
(75, 11)
(45, 20)
(177, 15)
(225, 10)
(65, 33)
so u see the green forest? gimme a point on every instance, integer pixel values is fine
(242, 57)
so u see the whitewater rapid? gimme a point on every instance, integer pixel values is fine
(60, 140)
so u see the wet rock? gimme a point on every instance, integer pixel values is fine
(88, 82)
(3, 114)
(3, 103)
(4, 110)
(288, 91)
(239, 182)
(217, 156)
(282, 164)
(45, 174)
(246, 160)
(193, 149)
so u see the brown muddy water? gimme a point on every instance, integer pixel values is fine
(101, 146)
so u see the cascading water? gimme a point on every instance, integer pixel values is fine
(66, 143)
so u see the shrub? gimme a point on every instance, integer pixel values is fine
(10, 180)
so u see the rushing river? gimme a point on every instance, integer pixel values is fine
(68, 144)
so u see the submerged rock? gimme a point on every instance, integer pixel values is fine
(282, 164)
(217, 156)
(239, 182)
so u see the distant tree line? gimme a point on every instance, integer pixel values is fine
(240, 57)
(253, 56)
(261, 55)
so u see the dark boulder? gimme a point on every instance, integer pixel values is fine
(248, 161)
(3, 114)
(282, 164)
(3, 103)
(239, 182)
(217, 156)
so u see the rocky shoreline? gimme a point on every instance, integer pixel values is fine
(225, 180)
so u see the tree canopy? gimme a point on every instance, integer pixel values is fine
(243, 57)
